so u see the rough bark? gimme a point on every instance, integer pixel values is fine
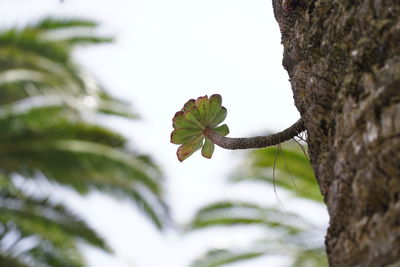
(343, 59)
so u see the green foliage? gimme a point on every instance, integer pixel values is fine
(50, 23)
(190, 122)
(230, 213)
(48, 107)
(50, 227)
(291, 166)
(287, 233)
(219, 257)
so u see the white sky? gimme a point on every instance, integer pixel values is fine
(166, 52)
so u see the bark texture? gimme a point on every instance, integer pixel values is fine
(343, 59)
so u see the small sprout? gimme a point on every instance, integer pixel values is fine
(196, 116)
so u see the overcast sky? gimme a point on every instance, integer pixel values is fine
(166, 52)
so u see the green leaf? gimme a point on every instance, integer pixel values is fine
(31, 216)
(203, 107)
(208, 148)
(31, 42)
(220, 117)
(181, 136)
(179, 121)
(214, 107)
(230, 213)
(193, 116)
(83, 40)
(50, 23)
(187, 149)
(82, 155)
(31, 213)
(188, 105)
(222, 130)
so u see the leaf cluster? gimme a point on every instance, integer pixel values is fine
(190, 122)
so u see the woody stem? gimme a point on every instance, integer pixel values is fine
(255, 142)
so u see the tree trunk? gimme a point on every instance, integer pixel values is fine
(343, 59)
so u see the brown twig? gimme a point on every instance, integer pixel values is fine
(255, 142)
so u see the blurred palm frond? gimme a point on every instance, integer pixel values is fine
(289, 234)
(48, 111)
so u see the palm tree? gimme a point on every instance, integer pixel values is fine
(35, 231)
(48, 107)
(287, 233)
